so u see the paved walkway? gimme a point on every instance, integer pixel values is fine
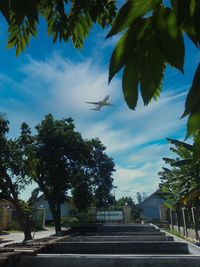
(9, 238)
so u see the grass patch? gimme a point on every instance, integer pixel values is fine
(13, 231)
(175, 233)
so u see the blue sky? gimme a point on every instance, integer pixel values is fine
(58, 79)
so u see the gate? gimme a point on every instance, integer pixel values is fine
(110, 216)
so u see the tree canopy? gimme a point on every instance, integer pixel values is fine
(12, 175)
(63, 161)
(65, 19)
(59, 160)
(135, 210)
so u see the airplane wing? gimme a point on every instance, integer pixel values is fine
(95, 103)
(97, 109)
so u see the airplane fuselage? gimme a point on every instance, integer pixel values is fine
(100, 104)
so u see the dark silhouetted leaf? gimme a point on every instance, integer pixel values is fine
(130, 12)
(152, 67)
(179, 143)
(170, 38)
(196, 148)
(130, 81)
(192, 102)
(193, 123)
(182, 162)
(126, 45)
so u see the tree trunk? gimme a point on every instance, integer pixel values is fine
(54, 207)
(55, 211)
(23, 221)
(57, 222)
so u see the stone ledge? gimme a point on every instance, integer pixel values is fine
(11, 253)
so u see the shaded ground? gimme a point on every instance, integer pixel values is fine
(9, 238)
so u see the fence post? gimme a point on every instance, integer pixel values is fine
(163, 213)
(177, 220)
(195, 218)
(127, 214)
(171, 220)
(185, 222)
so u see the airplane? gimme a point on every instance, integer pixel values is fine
(100, 104)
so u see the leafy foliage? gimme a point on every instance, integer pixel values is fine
(135, 211)
(62, 160)
(153, 39)
(101, 169)
(65, 19)
(180, 183)
(12, 175)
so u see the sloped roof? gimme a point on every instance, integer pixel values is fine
(68, 200)
(158, 191)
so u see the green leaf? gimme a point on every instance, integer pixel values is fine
(170, 206)
(192, 22)
(197, 20)
(169, 36)
(152, 68)
(130, 81)
(50, 25)
(30, 29)
(196, 148)
(9, 45)
(182, 162)
(13, 36)
(54, 37)
(126, 45)
(22, 43)
(88, 19)
(18, 49)
(26, 35)
(178, 143)
(182, 9)
(13, 28)
(192, 102)
(85, 26)
(157, 93)
(79, 31)
(130, 12)
(193, 123)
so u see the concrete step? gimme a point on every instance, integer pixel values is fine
(140, 233)
(108, 261)
(119, 238)
(141, 247)
(127, 228)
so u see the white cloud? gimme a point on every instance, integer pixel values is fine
(150, 153)
(67, 85)
(140, 179)
(61, 86)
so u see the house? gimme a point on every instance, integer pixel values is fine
(41, 202)
(7, 215)
(150, 206)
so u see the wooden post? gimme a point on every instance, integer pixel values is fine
(171, 220)
(185, 222)
(127, 214)
(177, 221)
(163, 213)
(5, 219)
(195, 217)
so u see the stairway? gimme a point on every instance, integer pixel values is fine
(135, 245)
